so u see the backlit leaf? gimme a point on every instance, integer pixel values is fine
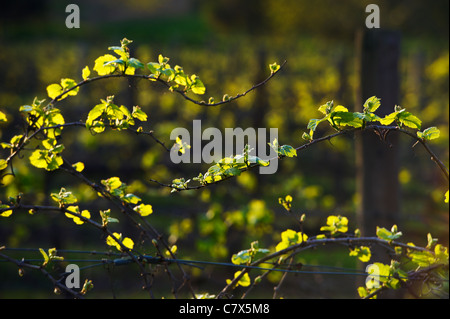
(429, 134)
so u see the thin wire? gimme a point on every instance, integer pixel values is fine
(194, 263)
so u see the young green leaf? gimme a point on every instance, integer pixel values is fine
(363, 253)
(135, 63)
(288, 151)
(340, 118)
(76, 219)
(385, 234)
(64, 197)
(244, 281)
(144, 209)
(46, 258)
(407, 119)
(7, 212)
(53, 90)
(101, 64)
(79, 167)
(274, 67)
(371, 104)
(289, 238)
(3, 117)
(85, 73)
(95, 113)
(336, 224)
(197, 86)
(429, 134)
(286, 202)
(127, 242)
(3, 164)
(47, 159)
(139, 114)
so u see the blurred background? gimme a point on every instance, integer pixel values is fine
(229, 45)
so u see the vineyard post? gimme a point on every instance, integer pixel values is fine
(377, 159)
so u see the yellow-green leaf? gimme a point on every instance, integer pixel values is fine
(3, 117)
(139, 114)
(6, 213)
(430, 133)
(44, 254)
(127, 242)
(79, 167)
(110, 241)
(53, 90)
(363, 253)
(85, 73)
(3, 164)
(100, 66)
(144, 209)
(274, 67)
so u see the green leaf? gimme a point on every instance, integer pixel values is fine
(3, 164)
(257, 160)
(385, 234)
(197, 85)
(116, 61)
(429, 134)
(95, 113)
(46, 258)
(14, 142)
(345, 119)
(286, 202)
(131, 198)
(421, 258)
(409, 120)
(112, 183)
(154, 67)
(244, 281)
(313, 123)
(79, 167)
(68, 84)
(431, 241)
(106, 217)
(233, 171)
(85, 73)
(274, 67)
(288, 151)
(289, 238)
(336, 224)
(306, 136)
(245, 257)
(26, 108)
(363, 253)
(7, 212)
(162, 59)
(327, 107)
(54, 90)
(76, 219)
(371, 104)
(3, 117)
(388, 119)
(144, 209)
(135, 63)
(46, 159)
(139, 114)
(64, 197)
(100, 66)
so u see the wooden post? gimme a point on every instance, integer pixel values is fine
(376, 159)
